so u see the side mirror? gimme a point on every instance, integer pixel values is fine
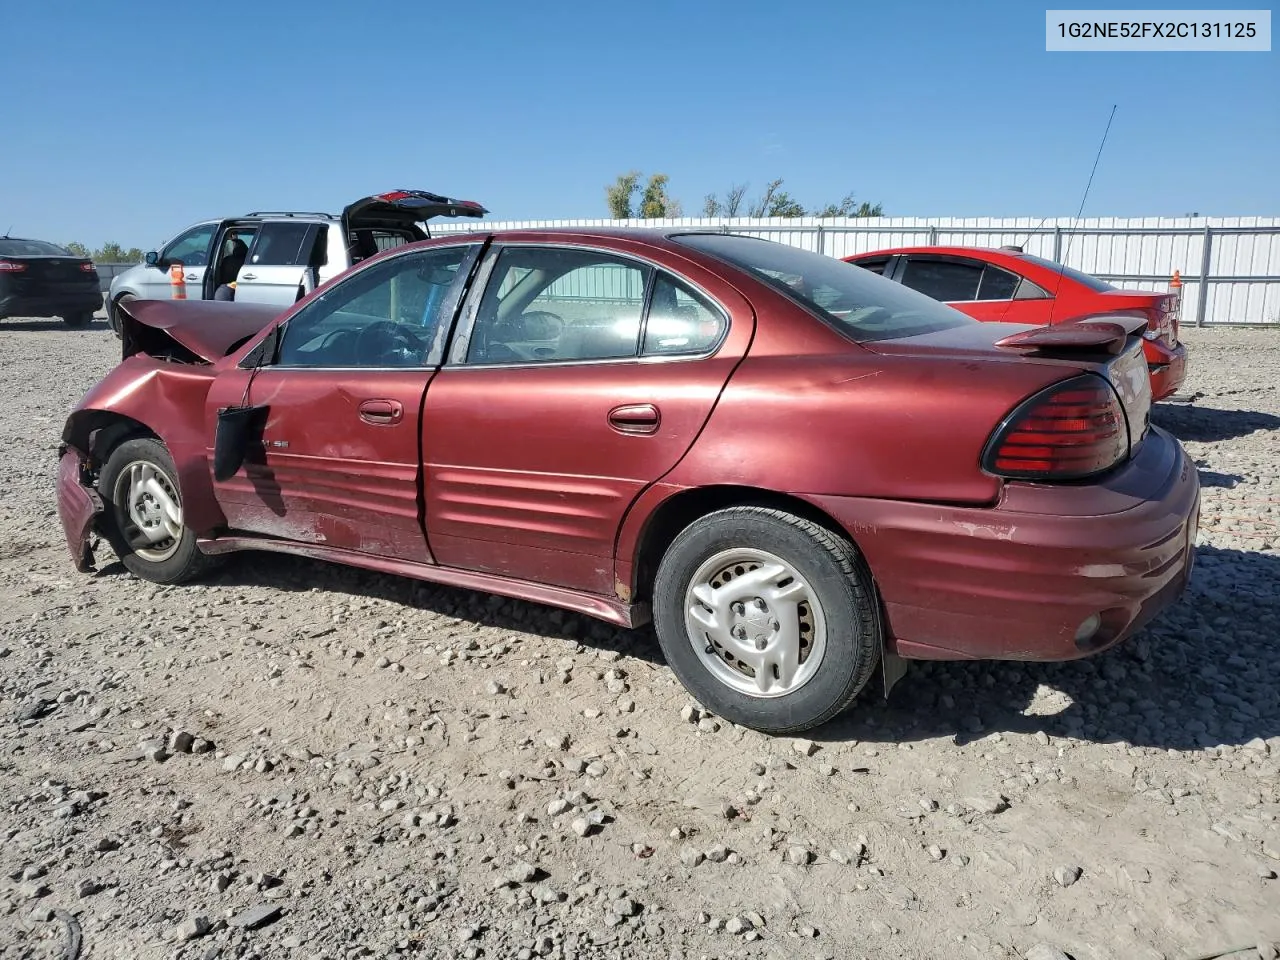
(152, 258)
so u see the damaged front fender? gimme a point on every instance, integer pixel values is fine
(78, 506)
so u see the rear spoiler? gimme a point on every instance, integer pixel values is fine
(1106, 334)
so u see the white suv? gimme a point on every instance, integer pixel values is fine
(278, 258)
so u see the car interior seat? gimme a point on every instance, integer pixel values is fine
(232, 261)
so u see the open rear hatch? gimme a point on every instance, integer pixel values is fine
(404, 209)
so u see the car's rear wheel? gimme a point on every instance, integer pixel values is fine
(768, 619)
(78, 320)
(113, 315)
(143, 519)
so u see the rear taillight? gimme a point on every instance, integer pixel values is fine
(1071, 430)
(9, 266)
(1162, 320)
(87, 267)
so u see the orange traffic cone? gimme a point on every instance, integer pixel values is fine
(177, 283)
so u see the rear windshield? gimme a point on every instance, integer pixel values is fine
(31, 248)
(1093, 283)
(857, 302)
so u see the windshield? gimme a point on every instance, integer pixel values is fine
(861, 305)
(1093, 283)
(31, 248)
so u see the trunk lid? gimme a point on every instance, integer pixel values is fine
(1108, 346)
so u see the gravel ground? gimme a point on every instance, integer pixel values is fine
(298, 760)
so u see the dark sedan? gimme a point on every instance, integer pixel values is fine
(800, 470)
(42, 279)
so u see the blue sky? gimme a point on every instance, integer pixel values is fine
(128, 122)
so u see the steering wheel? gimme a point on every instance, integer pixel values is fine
(397, 342)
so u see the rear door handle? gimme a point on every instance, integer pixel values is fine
(636, 418)
(381, 412)
(192, 276)
(250, 276)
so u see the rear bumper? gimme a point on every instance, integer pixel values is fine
(50, 305)
(1168, 366)
(1016, 581)
(78, 508)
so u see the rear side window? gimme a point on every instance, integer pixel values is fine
(1030, 291)
(680, 321)
(281, 244)
(946, 280)
(997, 284)
(875, 264)
(1084, 279)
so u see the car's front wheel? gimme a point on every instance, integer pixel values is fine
(768, 619)
(143, 518)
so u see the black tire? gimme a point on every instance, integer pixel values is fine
(174, 560)
(113, 314)
(78, 320)
(837, 581)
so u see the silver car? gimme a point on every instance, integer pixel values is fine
(279, 257)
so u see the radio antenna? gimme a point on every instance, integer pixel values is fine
(1062, 266)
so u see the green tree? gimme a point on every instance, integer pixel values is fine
(621, 194)
(655, 202)
(133, 255)
(110, 252)
(79, 249)
(776, 202)
(848, 207)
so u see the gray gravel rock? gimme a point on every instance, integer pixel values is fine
(1065, 876)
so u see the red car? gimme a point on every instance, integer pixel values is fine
(800, 470)
(1010, 286)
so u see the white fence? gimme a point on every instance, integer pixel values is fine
(1230, 266)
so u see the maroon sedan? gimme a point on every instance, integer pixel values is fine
(1008, 285)
(801, 471)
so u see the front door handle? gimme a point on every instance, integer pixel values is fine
(249, 276)
(635, 418)
(381, 412)
(192, 277)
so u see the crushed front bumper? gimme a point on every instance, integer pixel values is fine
(78, 507)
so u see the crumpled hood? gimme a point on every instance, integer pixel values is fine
(209, 329)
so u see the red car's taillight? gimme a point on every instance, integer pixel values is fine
(1071, 430)
(9, 266)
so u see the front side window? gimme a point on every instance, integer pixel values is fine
(548, 304)
(950, 281)
(854, 301)
(395, 313)
(280, 244)
(191, 249)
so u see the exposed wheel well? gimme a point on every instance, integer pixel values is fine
(98, 432)
(682, 509)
